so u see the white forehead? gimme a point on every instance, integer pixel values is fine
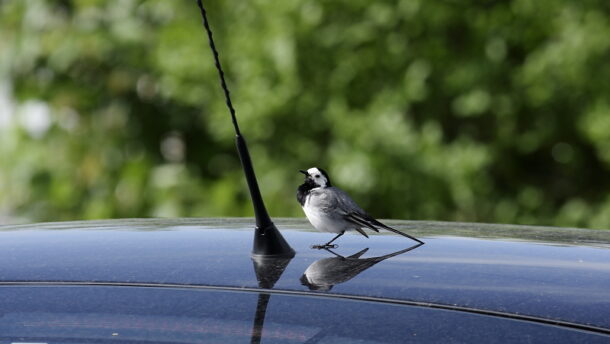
(314, 170)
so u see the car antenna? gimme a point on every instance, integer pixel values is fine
(268, 241)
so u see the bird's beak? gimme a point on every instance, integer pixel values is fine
(304, 172)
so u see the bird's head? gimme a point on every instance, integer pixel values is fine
(313, 286)
(316, 176)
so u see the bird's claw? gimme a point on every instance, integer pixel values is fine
(324, 247)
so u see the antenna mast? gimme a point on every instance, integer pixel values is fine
(268, 241)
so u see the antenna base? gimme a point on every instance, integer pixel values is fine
(269, 242)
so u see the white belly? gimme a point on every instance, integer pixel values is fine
(322, 221)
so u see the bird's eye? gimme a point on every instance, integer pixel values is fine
(317, 176)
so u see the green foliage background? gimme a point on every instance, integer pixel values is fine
(493, 111)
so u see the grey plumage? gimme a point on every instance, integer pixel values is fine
(338, 206)
(323, 274)
(330, 209)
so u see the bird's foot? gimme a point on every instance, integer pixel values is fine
(324, 247)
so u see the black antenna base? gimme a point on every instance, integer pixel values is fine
(269, 242)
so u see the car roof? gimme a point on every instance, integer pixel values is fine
(559, 275)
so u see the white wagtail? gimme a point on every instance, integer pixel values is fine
(330, 209)
(323, 274)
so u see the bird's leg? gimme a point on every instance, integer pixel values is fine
(328, 244)
(335, 238)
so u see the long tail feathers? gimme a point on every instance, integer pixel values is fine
(369, 222)
(358, 220)
(401, 233)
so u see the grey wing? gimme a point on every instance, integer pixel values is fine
(352, 212)
(337, 204)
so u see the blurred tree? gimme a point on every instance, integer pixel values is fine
(495, 111)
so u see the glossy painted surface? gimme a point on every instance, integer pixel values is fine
(174, 315)
(561, 274)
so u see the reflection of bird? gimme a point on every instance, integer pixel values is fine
(330, 209)
(323, 274)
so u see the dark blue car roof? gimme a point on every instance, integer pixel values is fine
(557, 274)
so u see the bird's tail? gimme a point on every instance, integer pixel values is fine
(366, 220)
(394, 254)
(398, 232)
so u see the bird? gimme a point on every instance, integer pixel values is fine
(330, 209)
(323, 274)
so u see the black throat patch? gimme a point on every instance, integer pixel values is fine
(304, 189)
